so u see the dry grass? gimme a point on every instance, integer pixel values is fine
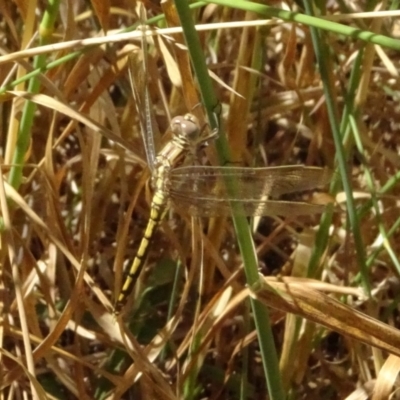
(75, 204)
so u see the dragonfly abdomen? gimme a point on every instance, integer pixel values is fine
(157, 213)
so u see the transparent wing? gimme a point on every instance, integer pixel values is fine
(202, 191)
(138, 73)
(222, 207)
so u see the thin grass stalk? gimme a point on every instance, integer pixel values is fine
(249, 6)
(314, 22)
(243, 233)
(389, 185)
(38, 71)
(321, 52)
(367, 65)
(245, 356)
(349, 124)
(385, 244)
(25, 128)
(71, 56)
(13, 259)
(374, 203)
(173, 300)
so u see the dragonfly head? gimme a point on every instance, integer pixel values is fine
(186, 128)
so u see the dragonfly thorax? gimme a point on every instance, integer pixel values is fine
(159, 179)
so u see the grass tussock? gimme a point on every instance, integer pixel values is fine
(291, 84)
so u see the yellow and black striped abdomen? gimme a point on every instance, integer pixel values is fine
(157, 212)
(168, 157)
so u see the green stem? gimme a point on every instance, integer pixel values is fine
(25, 129)
(243, 233)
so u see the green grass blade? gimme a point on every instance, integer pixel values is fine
(25, 128)
(244, 237)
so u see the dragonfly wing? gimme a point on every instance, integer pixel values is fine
(139, 83)
(203, 190)
(248, 183)
(217, 208)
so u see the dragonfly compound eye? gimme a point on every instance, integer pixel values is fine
(186, 126)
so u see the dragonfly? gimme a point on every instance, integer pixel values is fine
(201, 190)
